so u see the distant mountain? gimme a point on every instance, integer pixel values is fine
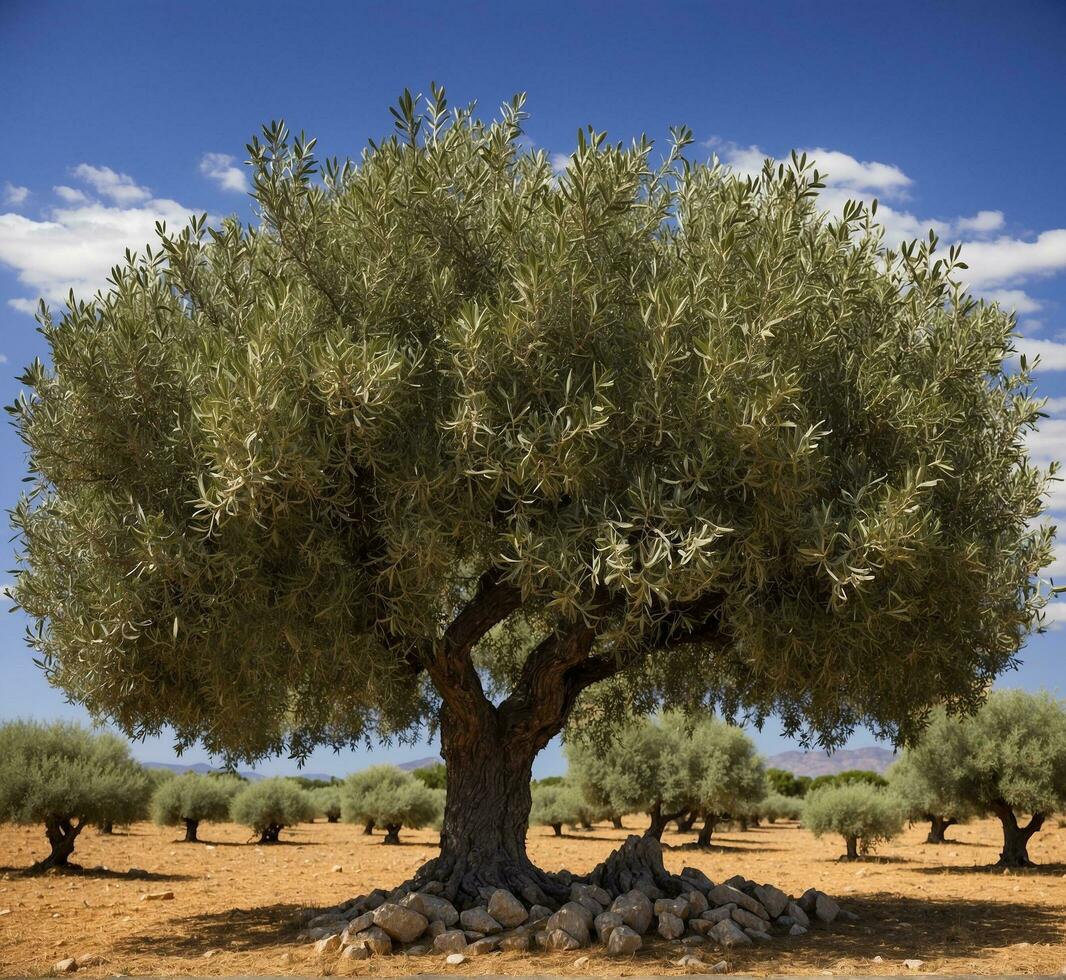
(873, 757)
(429, 760)
(203, 767)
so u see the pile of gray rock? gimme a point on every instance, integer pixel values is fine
(734, 913)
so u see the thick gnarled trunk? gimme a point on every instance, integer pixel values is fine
(191, 827)
(392, 833)
(937, 828)
(61, 833)
(1015, 853)
(853, 848)
(270, 834)
(710, 821)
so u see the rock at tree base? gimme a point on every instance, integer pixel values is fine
(487, 945)
(635, 909)
(517, 942)
(506, 909)
(727, 933)
(377, 940)
(671, 926)
(558, 939)
(68, 965)
(825, 909)
(772, 899)
(624, 941)
(746, 920)
(328, 945)
(451, 941)
(479, 920)
(454, 959)
(404, 925)
(357, 951)
(574, 919)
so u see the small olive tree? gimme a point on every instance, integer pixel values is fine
(270, 805)
(733, 778)
(191, 798)
(388, 797)
(863, 814)
(327, 802)
(66, 777)
(778, 806)
(555, 804)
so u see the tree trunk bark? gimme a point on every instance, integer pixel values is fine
(107, 827)
(937, 828)
(853, 848)
(190, 831)
(1015, 853)
(368, 827)
(392, 833)
(658, 821)
(558, 828)
(686, 822)
(332, 817)
(61, 834)
(616, 822)
(709, 823)
(270, 834)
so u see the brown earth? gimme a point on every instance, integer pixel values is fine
(240, 902)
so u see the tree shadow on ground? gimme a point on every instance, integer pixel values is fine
(716, 846)
(77, 871)
(897, 928)
(870, 859)
(237, 930)
(1054, 870)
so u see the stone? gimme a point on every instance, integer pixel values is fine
(675, 906)
(602, 896)
(374, 899)
(433, 907)
(759, 935)
(435, 928)
(416, 950)
(356, 951)
(720, 967)
(719, 914)
(454, 959)
(451, 941)
(746, 920)
(605, 923)
(727, 933)
(574, 919)
(516, 942)
(337, 868)
(671, 926)
(914, 964)
(95, 959)
(807, 900)
(358, 924)
(797, 930)
(825, 909)
(404, 925)
(689, 962)
(472, 936)
(798, 915)
(691, 940)
(697, 903)
(328, 945)
(478, 920)
(377, 939)
(68, 965)
(848, 916)
(635, 909)
(540, 937)
(624, 941)
(506, 909)
(325, 919)
(724, 894)
(157, 897)
(701, 926)
(739, 881)
(581, 962)
(560, 939)
(487, 945)
(878, 959)
(538, 913)
(698, 879)
(784, 921)
(772, 899)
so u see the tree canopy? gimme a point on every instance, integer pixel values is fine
(557, 803)
(448, 437)
(271, 805)
(64, 776)
(191, 798)
(860, 812)
(391, 798)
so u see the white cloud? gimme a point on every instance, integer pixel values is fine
(1053, 406)
(223, 170)
(1005, 260)
(14, 195)
(3, 358)
(983, 221)
(560, 162)
(1014, 299)
(75, 244)
(1052, 354)
(120, 188)
(70, 194)
(1055, 614)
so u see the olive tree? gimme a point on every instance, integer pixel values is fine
(777, 806)
(191, 798)
(733, 778)
(555, 804)
(270, 805)
(65, 777)
(388, 797)
(448, 438)
(327, 802)
(863, 814)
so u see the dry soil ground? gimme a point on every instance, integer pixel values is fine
(240, 902)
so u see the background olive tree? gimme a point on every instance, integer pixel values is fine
(863, 814)
(65, 777)
(191, 798)
(449, 438)
(270, 805)
(388, 797)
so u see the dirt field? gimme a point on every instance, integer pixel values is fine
(236, 904)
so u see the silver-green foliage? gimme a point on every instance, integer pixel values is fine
(391, 798)
(194, 796)
(863, 814)
(327, 802)
(777, 806)
(269, 805)
(555, 804)
(738, 446)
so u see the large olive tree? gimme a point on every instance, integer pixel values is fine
(447, 438)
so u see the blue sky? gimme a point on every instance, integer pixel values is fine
(117, 114)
